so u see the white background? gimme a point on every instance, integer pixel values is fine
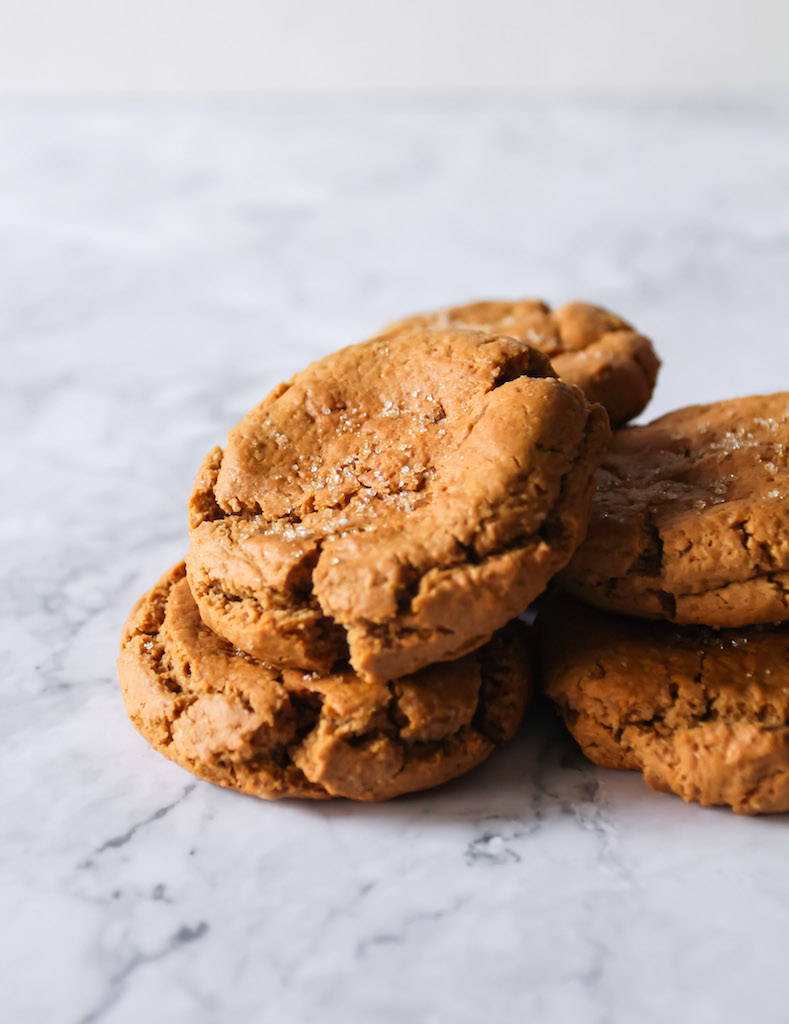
(614, 47)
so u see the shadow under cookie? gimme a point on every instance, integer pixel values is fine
(233, 721)
(702, 713)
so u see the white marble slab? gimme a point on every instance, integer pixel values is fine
(160, 269)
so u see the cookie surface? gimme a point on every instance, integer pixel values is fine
(701, 714)
(233, 721)
(394, 504)
(588, 346)
(690, 518)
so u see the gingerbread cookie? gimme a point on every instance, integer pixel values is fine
(394, 504)
(703, 714)
(690, 520)
(233, 721)
(588, 346)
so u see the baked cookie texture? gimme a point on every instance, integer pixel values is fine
(588, 346)
(394, 504)
(690, 518)
(702, 714)
(233, 721)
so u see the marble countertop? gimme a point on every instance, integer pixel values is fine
(161, 267)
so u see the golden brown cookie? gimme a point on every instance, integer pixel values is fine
(701, 713)
(238, 723)
(588, 346)
(394, 504)
(690, 519)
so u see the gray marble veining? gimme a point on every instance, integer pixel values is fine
(162, 267)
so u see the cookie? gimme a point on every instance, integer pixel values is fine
(233, 721)
(690, 520)
(588, 346)
(703, 714)
(394, 504)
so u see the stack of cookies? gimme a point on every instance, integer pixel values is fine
(343, 623)
(681, 670)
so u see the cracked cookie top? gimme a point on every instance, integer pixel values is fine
(703, 713)
(690, 518)
(588, 346)
(234, 721)
(394, 504)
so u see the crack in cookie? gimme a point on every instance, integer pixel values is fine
(395, 504)
(689, 519)
(588, 346)
(234, 721)
(702, 713)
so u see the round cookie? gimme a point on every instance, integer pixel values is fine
(238, 723)
(702, 714)
(588, 346)
(690, 519)
(394, 504)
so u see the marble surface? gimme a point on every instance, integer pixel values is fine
(161, 267)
